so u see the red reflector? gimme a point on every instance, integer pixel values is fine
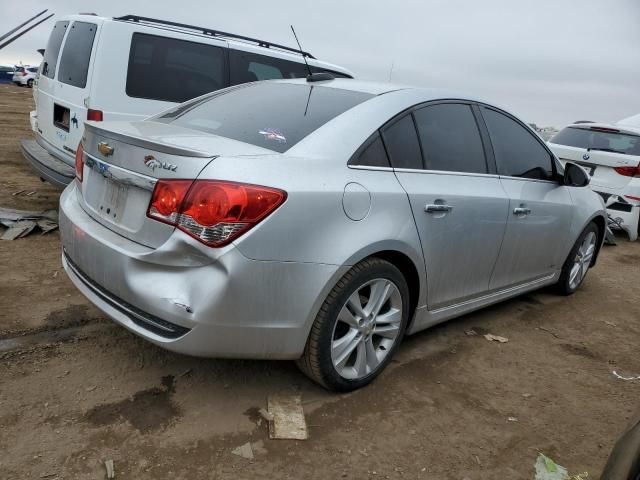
(95, 115)
(212, 211)
(628, 171)
(633, 197)
(79, 162)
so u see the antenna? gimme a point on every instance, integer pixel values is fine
(301, 52)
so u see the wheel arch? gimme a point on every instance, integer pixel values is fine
(601, 223)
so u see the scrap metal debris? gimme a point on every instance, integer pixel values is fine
(288, 417)
(496, 338)
(244, 451)
(21, 223)
(617, 375)
(111, 469)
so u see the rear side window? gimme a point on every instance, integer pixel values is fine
(518, 153)
(172, 70)
(371, 154)
(606, 140)
(401, 141)
(50, 59)
(271, 115)
(74, 63)
(450, 138)
(250, 67)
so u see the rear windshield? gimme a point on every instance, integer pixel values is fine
(74, 63)
(598, 140)
(271, 115)
(172, 70)
(50, 59)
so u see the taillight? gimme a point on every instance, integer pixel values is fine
(628, 171)
(212, 211)
(24, 74)
(79, 162)
(95, 115)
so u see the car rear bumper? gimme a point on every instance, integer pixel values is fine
(191, 299)
(49, 167)
(626, 215)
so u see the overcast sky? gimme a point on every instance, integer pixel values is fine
(549, 61)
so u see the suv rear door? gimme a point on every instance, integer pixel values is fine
(459, 206)
(64, 84)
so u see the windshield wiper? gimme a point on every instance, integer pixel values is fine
(604, 150)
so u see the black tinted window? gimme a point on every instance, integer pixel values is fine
(50, 59)
(249, 67)
(371, 154)
(450, 138)
(74, 63)
(401, 141)
(270, 114)
(173, 70)
(607, 140)
(518, 153)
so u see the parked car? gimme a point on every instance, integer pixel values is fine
(25, 76)
(6, 73)
(130, 67)
(611, 155)
(319, 221)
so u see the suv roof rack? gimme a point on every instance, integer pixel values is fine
(213, 33)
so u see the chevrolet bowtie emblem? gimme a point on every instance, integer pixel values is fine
(105, 149)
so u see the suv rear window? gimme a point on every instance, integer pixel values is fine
(598, 139)
(74, 63)
(271, 115)
(172, 70)
(50, 59)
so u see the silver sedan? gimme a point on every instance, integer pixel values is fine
(320, 221)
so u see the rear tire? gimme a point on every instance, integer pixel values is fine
(577, 264)
(358, 327)
(30, 83)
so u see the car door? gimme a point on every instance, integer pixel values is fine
(458, 204)
(540, 207)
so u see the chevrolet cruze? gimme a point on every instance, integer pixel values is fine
(320, 221)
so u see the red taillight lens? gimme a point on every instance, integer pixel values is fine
(24, 74)
(95, 115)
(629, 171)
(212, 211)
(79, 162)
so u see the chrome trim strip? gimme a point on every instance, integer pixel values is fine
(119, 175)
(143, 142)
(444, 172)
(367, 167)
(493, 294)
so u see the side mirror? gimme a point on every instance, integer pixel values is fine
(575, 175)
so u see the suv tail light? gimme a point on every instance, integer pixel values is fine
(95, 115)
(24, 73)
(213, 212)
(79, 162)
(628, 171)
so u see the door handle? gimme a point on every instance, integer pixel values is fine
(521, 210)
(437, 208)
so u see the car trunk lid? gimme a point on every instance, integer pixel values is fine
(124, 160)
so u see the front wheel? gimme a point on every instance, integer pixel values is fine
(358, 328)
(579, 261)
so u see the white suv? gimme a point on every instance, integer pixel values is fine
(611, 155)
(130, 67)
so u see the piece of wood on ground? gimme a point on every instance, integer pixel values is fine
(288, 417)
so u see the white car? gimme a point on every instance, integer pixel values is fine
(25, 76)
(127, 68)
(611, 155)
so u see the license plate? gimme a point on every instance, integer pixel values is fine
(115, 195)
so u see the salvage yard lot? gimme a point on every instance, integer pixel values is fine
(76, 389)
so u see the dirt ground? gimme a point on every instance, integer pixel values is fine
(76, 390)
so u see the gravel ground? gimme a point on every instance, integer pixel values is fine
(76, 390)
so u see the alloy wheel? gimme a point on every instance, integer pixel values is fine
(582, 260)
(367, 328)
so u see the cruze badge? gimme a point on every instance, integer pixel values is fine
(585, 156)
(105, 149)
(151, 162)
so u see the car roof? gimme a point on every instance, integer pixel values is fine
(233, 42)
(622, 128)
